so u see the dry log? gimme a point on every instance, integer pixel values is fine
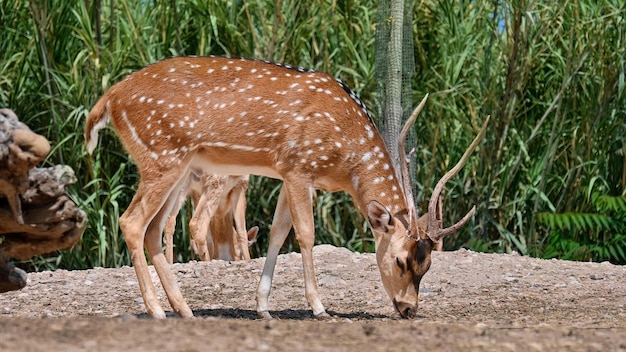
(11, 278)
(36, 216)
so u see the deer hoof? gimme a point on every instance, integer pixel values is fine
(264, 315)
(323, 316)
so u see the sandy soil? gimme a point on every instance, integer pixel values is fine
(469, 301)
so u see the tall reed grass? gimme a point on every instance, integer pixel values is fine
(551, 75)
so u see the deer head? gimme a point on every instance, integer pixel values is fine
(407, 253)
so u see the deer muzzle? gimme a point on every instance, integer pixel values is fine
(406, 310)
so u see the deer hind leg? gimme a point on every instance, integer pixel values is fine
(281, 224)
(146, 204)
(155, 251)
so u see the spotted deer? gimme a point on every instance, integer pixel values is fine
(239, 116)
(218, 224)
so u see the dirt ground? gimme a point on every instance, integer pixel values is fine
(469, 301)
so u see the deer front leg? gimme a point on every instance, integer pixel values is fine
(281, 224)
(300, 199)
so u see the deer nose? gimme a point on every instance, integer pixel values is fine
(406, 310)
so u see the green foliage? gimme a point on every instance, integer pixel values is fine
(598, 236)
(551, 78)
(551, 75)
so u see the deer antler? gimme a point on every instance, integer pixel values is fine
(435, 230)
(405, 162)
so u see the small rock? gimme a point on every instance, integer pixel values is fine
(596, 277)
(332, 281)
(510, 278)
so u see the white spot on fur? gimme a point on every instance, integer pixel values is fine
(370, 133)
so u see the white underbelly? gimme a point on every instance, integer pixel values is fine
(232, 169)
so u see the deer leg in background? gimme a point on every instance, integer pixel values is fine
(244, 237)
(199, 225)
(170, 224)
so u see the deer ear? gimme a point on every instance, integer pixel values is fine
(252, 235)
(379, 217)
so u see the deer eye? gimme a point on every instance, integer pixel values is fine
(400, 265)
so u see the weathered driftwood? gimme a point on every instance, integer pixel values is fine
(11, 278)
(36, 216)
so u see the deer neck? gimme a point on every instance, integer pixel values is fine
(374, 178)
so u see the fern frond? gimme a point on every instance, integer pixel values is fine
(605, 203)
(571, 221)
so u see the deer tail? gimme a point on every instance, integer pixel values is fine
(97, 120)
